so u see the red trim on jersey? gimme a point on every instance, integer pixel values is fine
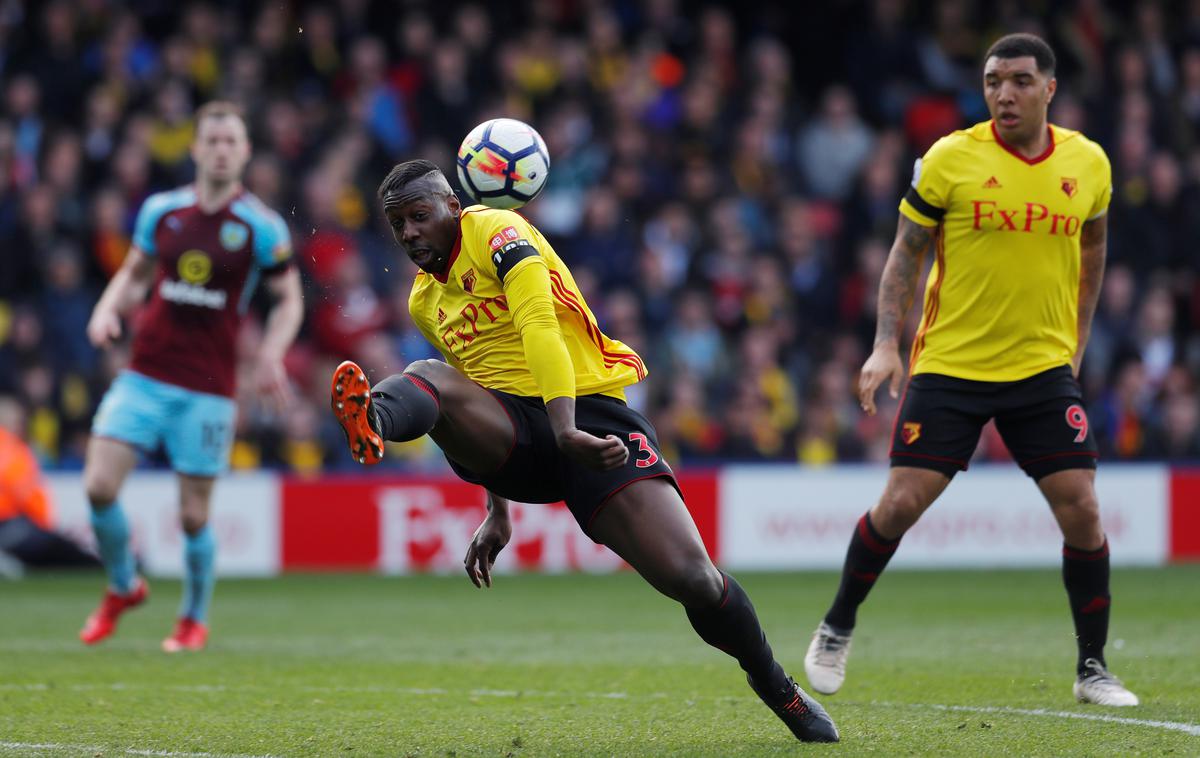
(611, 357)
(933, 304)
(454, 251)
(1031, 161)
(572, 301)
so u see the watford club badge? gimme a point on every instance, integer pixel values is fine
(1069, 186)
(910, 432)
(468, 280)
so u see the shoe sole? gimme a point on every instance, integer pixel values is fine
(350, 399)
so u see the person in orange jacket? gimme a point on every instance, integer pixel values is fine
(26, 508)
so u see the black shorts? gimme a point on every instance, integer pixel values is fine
(1041, 419)
(537, 472)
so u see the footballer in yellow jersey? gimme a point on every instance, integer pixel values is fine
(1013, 212)
(530, 404)
(466, 314)
(1002, 295)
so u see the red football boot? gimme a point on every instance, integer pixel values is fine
(188, 635)
(350, 398)
(103, 621)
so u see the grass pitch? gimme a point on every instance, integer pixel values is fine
(953, 664)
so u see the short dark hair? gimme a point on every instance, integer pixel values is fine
(219, 109)
(1022, 45)
(403, 173)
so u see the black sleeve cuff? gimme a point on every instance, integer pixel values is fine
(280, 267)
(924, 208)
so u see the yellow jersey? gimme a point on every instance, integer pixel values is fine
(508, 314)
(1002, 296)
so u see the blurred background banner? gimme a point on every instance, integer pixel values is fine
(761, 517)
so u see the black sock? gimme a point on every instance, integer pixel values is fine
(406, 406)
(732, 627)
(866, 558)
(1085, 575)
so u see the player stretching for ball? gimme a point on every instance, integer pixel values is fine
(1014, 209)
(531, 406)
(203, 247)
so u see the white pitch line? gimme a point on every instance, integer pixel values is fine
(96, 749)
(1174, 726)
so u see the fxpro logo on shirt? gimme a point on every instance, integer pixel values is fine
(195, 269)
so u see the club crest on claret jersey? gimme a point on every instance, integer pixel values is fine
(233, 235)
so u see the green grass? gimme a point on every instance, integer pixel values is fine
(583, 665)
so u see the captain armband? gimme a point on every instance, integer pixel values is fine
(926, 209)
(510, 254)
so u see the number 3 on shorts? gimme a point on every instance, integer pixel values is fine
(643, 447)
(1077, 419)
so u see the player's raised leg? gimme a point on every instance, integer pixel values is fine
(429, 397)
(909, 492)
(647, 524)
(108, 463)
(199, 565)
(1072, 497)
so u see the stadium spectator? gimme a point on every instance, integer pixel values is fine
(27, 536)
(726, 153)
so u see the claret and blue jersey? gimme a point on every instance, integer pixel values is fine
(179, 389)
(208, 267)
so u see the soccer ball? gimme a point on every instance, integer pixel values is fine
(503, 163)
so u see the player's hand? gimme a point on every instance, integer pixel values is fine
(489, 539)
(103, 328)
(884, 364)
(271, 381)
(600, 453)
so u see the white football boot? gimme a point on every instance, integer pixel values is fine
(825, 662)
(1096, 685)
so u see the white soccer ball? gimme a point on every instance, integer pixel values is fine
(503, 163)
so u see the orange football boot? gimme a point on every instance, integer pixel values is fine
(350, 398)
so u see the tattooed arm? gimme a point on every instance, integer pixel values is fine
(897, 289)
(1093, 249)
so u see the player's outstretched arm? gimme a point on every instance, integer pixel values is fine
(489, 539)
(124, 292)
(1093, 251)
(897, 289)
(283, 323)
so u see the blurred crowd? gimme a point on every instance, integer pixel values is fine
(724, 187)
